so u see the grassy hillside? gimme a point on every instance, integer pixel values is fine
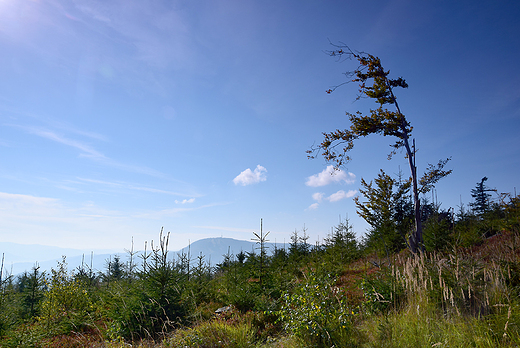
(462, 291)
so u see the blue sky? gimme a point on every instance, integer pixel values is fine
(120, 117)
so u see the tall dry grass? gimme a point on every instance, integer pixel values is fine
(464, 297)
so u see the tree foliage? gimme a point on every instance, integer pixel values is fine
(374, 83)
(481, 195)
(386, 211)
(340, 247)
(31, 285)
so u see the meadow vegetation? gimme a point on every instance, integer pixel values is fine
(463, 290)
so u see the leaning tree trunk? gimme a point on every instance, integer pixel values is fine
(416, 238)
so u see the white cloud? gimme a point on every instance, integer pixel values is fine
(184, 201)
(318, 196)
(341, 195)
(313, 206)
(248, 177)
(330, 176)
(338, 196)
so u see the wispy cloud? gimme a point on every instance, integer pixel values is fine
(19, 199)
(61, 125)
(133, 168)
(175, 211)
(71, 129)
(86, 150)
(330, 176)
(90, 152)
(248, 177)
(93, 12)
(131, 186)
(166, 192)
(161, 43)
(26, 207)
(102, 182)
(51, 221)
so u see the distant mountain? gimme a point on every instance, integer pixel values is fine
(214, 249)
(21, 257)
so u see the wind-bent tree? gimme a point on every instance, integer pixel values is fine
(374, 83)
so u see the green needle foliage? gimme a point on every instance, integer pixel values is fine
(481, 204)
(151, 305)
(387, 211)
(31, 285)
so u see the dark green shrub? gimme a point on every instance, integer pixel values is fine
(438, 232)
(151, 305)
(31, 286)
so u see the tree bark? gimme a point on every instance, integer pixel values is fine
(416, 239)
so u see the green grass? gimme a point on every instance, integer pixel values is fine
(423, 325)
(213, 333)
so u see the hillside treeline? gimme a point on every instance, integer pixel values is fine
(462, 289)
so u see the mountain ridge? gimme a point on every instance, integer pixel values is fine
(23, 257)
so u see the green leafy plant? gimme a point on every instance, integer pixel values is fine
(317, 311)
(67, 304)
